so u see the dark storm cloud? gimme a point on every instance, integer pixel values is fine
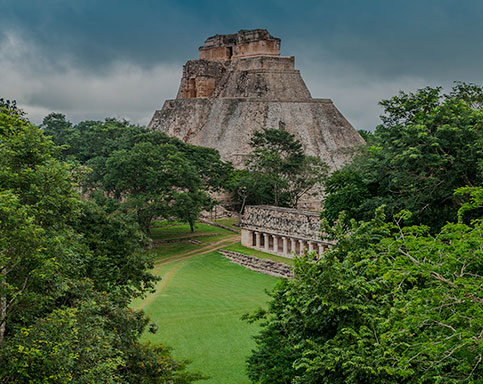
(356, 52)
(387, 37)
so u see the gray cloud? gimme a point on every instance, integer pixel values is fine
(125, 90)
(91, 59)
(354, 93)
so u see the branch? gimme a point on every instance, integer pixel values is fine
(441, 278)
(478, 362)
(445, 325)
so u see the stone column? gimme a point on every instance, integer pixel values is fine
(284, 245)
(257, 239)
(266, 243)
(321, 249)
(311, 246)
(301, 245)
(275, 243)
(246, 238)
(292, 245)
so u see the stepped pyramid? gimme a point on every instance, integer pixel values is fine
(241, 84)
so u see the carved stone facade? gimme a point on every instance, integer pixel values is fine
(281, 231)
(241, 84)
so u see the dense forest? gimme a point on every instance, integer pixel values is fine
(70, 267)
(397, 299)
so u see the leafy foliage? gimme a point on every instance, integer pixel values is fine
(278, 172)
(428, 145)
(155, 181)
(387, 304)
(147, 172)
(68, 270)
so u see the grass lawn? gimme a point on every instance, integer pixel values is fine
(229, 222)
(262, 255)
(204, 233)
(198, 306)
(169, 232)
(200, 300)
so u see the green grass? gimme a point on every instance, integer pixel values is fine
(200, 300)
(166, 251)
(166, 232)
(164, 223)
(253, 252)
(204, 233)
(228, 222)
(198, 306)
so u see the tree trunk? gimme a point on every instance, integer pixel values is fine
(147, 228)
(3, 310)
(3, 314)
(242, 208)
(192, 227)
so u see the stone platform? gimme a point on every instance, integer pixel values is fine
(282, 231)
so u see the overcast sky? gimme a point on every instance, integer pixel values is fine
(93, 59)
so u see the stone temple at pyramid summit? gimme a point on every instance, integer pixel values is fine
(241, 84)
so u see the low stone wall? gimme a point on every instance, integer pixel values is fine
(265, 266)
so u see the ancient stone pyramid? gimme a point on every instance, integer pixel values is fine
(241, 84)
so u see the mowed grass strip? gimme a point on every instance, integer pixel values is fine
(229, 222)
(182, 231)
(198, 310)
(181, 234)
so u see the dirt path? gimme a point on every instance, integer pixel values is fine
(201, 251)
(197, 252)
(159, 287)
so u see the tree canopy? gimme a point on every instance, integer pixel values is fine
(398, 298)
(146, 171)
(388, 303)
(428, 145)
(68, 271)
(278, 171)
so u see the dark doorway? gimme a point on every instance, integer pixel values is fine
(192, 88)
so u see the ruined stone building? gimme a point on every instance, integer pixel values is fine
(281, 231)
(241, 84)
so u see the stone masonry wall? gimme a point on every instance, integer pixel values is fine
(282, 221)
(265, 266)
(200, 78)
(227, 124)
(240, 85)
(242, 44)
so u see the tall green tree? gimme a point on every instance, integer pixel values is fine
(68, 271)
(90, 143)
(155, 181)
(279, 163)
(37, 200)
(250, 188)
(388, 303)
(152, 187)
(428, 145)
